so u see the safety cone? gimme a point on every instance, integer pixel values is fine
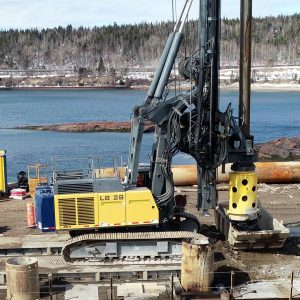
(30, 215)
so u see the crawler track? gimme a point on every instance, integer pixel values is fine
(127, 247)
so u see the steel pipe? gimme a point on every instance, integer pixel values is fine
(268, 172)
(22, 275)
(197, 265)
(186, 175)
(245, 66)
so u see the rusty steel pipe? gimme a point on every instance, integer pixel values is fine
(268, 172)
(197, 266)
(186, 175)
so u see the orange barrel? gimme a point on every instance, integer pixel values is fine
(30, 215)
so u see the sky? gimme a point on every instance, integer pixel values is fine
(51, 13)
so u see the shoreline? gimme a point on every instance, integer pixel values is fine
(108, 87)
(293, 88)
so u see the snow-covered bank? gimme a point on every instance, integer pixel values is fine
(279, 78)
(266, 87)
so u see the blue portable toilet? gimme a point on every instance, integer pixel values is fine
(44, 209)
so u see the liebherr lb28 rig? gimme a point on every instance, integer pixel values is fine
(118, 219)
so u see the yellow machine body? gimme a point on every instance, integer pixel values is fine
(103, 210)
(3, 173)
(242, 196)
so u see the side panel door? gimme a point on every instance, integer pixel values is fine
(111, 209)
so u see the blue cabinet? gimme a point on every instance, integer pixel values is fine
(44, 209)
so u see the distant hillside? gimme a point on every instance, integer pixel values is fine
(119, 47)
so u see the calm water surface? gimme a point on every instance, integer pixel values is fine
(273, 115)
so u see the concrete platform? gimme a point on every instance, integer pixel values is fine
(90, 291)
(145, 290)
(32, 241)
(47, 244)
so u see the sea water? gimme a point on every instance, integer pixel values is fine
(273, 115)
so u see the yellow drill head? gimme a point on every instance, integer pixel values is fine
(242, 196)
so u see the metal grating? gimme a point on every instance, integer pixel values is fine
(86, 208)
(67, 211)
(72, 188)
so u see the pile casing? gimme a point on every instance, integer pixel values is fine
(197, 266)
(22, 276)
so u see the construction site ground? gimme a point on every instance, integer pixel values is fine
(282, 201)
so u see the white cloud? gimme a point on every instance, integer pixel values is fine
(50, 13)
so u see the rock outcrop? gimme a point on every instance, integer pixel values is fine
(280, 149)
(88, 127)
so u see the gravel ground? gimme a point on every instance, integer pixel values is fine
(282, 201)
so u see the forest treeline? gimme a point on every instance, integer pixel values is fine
(276, 41)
